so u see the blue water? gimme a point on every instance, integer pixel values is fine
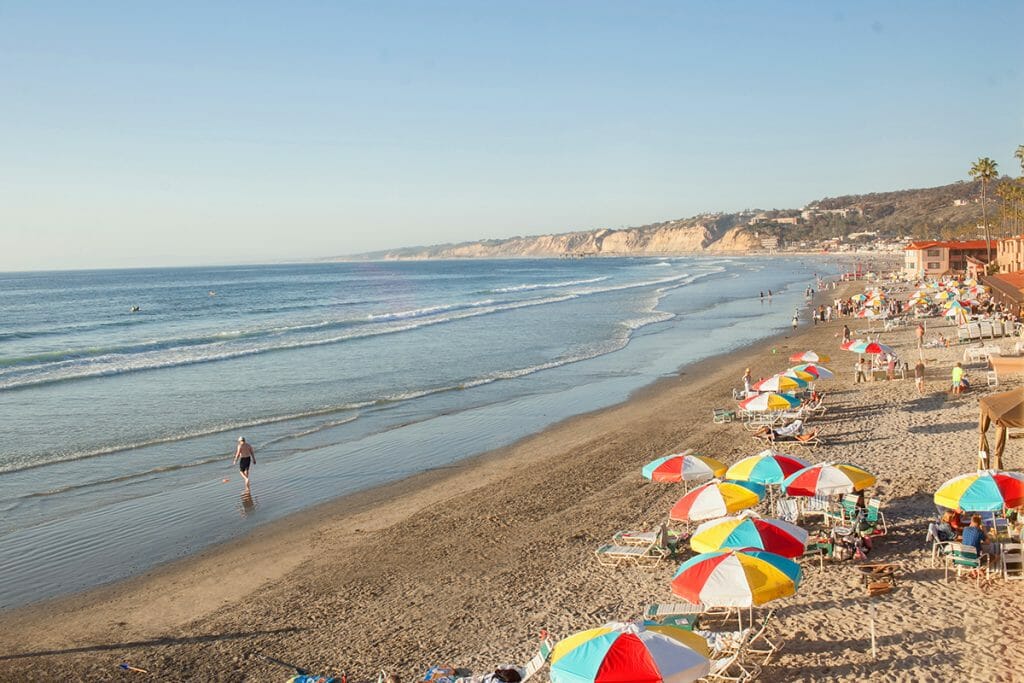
(118, 427)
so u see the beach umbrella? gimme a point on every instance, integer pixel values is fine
(716, 499)
(858, 297)
(619, 652)
(809, 357)
(750, 530)
(867, 313)
(819, 371)
(736, 578)
(862, 346)
(984, 491)
(767, 467)
(827, 478)
(769, 401)
(800, 374)
(779, 383)
(683, 467)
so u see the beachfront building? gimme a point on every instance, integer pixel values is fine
(937, 258)
(1010, 254)
(1007, 288)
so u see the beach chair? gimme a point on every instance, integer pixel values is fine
(1013, 561)
(728, 651)
(539, 659)
(964, 559)
(681, 614)
(963, 335)
(760, 644)
(874, 518)
(722, 415)
(612, 555)
(788, 510)
(819, 506)
(662, 537)
(974, 330)
(810, 439)
(847, 510)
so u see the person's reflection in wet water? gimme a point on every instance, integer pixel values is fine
(248, 502)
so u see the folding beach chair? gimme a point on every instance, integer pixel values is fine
(847, 510)
(1012, 555)
(964, 559)
(681, 614)
(760, 644)
(539, 659)
(788, 510)
(819, 506)
(662, 536)
(874, 518)
(728, 656)
(612, 555)
(722, 415)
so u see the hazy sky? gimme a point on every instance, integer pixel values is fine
(142, 133)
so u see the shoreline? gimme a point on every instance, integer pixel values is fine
(364, 512)
(465, 564)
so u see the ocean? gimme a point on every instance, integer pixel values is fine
(118, 426)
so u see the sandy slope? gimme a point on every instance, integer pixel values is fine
(465, 565)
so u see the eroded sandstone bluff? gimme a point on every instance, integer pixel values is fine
(716, 234)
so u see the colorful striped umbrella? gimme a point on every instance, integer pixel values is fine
(779, 383)
(619, 652)
(867, 313)
(809, 357)
(736, 578)
(767, 467)
(716, 499)
(862, 346)
(827, 478)
(683, 467)
(799, 374)
(769, 401)
(819, 371)
(750, 530)
(984, 491)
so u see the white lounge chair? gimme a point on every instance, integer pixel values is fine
(611, 555)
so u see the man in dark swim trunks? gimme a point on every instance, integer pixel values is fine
(244, 456)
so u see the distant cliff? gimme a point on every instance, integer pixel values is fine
(719, 232)
(946, 212)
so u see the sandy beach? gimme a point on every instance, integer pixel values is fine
(465, 565)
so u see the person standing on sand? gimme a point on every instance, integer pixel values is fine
(748, 379)
(919, 376)
(796, 319)
(958, 378)
(245, 456)
(860, 371)
(846, 333)
(920, 334)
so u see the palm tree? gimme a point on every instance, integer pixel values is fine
(1020, 157)
(984, 169)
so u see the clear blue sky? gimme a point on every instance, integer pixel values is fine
(141, 133)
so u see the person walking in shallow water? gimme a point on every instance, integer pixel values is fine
(245, 456)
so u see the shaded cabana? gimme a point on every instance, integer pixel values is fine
(1006, 411)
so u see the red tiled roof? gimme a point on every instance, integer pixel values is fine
(969, 244)
(1014, 280)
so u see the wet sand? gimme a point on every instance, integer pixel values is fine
(465, 565)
